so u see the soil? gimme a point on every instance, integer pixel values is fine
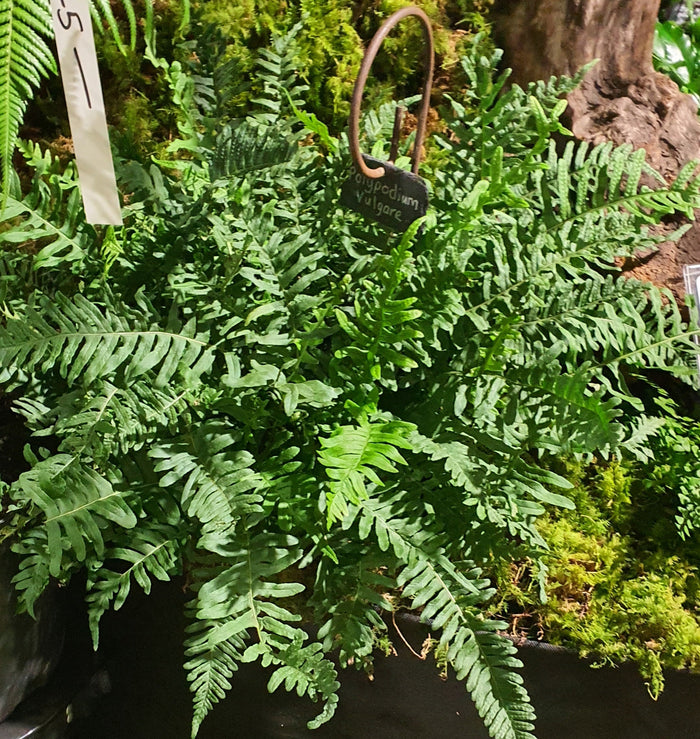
(407, 699)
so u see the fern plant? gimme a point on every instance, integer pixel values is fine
(298, 410)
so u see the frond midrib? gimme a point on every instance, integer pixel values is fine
(60, 337)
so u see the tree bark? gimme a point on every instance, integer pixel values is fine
(622, 99)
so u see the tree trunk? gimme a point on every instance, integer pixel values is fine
(622, 99)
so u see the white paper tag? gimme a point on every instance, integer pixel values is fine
(86, 111)
(691, 276)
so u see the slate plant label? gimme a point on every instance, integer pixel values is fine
(394, 200)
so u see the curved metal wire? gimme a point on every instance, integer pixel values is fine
(356, 104)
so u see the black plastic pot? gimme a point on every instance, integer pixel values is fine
(29, 649)
(406, 700)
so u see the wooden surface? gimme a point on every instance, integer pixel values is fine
(622, 99)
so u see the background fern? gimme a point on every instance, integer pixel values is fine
(24, 59)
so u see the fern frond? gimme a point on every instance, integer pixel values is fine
(241, 601)
(51, 215)
(291, 493)
(581, 418)
(587, 186)
(579, 319)
(486, 662)
(75, 504)
(230, 82)
(373, 323)
(91, 342)
(245, 584)
(218, 483)
(108, 420)
(352, 454)
(381, 325)
(665, 342)
(209, 667)
(389, 523)
(103, 15)
(32, 576)
(249, 146)
(449, 600)
(306, 670)
(483, 660)
(24, 59)
(151, 551)
(279, 78)
(354, 592)
(480, 475)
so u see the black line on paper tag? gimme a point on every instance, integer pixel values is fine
(82, 77)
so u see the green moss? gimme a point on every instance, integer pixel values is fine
(613, 591)
(329, 47)
(615, 619)
(136, 126)
(329, 43)
(332, 38)
(244, 21)
(137, 99)
(613, 488)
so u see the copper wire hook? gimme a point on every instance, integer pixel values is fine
(356, 104)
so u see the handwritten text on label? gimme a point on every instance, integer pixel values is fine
(394, 200)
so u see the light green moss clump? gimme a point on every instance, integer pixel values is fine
(604, 603)
(331, 40)
(612, 592)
